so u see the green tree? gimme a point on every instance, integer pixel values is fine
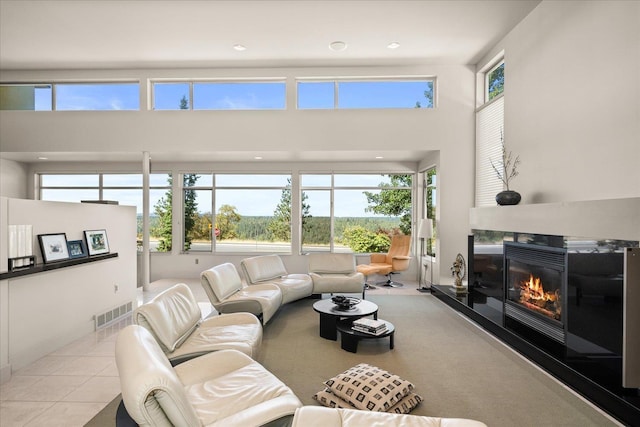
(164, 224)
(227, 221)
(393, 202)
(280, 226)
(190, 207)
(428, 95)
(361, 240)
(496, 82)
(184, 104)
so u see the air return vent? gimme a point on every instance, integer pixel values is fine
(110, 316)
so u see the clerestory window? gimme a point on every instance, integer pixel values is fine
(365, 94)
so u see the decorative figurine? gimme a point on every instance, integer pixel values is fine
(459, 270)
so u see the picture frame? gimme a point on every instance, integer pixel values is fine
(53, 247)
(97, 242)
(77, 249)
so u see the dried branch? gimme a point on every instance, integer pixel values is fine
(507, 167)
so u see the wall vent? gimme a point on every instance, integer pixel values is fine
(110, 316)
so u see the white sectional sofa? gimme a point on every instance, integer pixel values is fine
(328, 273)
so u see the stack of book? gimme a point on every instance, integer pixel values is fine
(369, 326)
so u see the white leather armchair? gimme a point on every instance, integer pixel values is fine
(224, 388)
(332, 273)
(270, 269)
(228, 294)
(174, 319)
(319, 416)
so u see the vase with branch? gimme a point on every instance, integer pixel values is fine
(506, 168)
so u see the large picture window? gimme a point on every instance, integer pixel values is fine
(124, 188)
(354, 212)
(239, 213)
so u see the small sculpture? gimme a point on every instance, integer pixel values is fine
(459, 270)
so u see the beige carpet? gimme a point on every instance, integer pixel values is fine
(457, 368)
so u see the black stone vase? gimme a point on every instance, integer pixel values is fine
(508, 197)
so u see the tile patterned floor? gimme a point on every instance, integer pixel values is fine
(71, 385)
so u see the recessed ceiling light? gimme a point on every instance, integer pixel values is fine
(239, 47)
(258, 157)
(337, 46)
(379, 157)
(43, 158)
(393, 45)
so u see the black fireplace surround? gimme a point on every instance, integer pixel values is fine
(558, 301)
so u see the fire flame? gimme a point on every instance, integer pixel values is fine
(533, 290)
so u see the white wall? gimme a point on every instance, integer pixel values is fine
(13, 179)
(47, 310)
(572, 100)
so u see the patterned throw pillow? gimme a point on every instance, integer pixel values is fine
(406, 405)
(368, 387)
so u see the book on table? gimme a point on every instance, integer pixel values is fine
(369, 331)
(369, 326)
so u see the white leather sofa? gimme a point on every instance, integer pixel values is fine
(320, 416)
(270, 269)
(174, 319)
(224, 388)
(335, 273)
(228, 294)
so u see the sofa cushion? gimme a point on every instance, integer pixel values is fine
(171, 316)
(368, 387)
(332, 263)
(224, 280)
(330, 400)
(264, 267)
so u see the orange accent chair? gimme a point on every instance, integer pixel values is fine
(395, 260)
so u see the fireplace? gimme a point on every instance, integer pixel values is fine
(536, 287)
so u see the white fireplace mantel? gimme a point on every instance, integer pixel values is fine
(597, 219)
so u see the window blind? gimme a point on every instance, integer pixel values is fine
(489, 128)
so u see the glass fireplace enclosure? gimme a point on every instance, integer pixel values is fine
(567, 298)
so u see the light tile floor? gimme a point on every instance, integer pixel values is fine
(71, 385)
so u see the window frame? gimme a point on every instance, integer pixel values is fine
(338, 80)
(497, 64)
(192, 82)
(332, 188)
(101, 187)
(54, 91)
(213, 188)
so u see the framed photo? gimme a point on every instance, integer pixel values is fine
(77, 249)
(53, 247)
(97, 242)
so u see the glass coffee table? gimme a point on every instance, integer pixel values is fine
(330, 314)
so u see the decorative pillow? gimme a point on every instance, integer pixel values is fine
(368, 387)
(406, 405)
(326, 398)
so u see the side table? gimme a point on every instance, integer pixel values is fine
(351, 337)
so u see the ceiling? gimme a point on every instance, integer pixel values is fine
(148, 34)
